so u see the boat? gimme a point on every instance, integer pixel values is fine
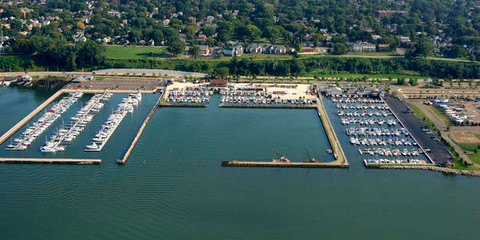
(92, 146)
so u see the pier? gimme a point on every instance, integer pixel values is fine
(139, 134)
(338, 153)
(236, 163)
(29, 117)
(51, 161)
(267, 106)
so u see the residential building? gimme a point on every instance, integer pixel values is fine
(233, 51)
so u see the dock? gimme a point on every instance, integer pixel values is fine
(267, 106)
(236, 163)
(30, 116)
(340, 158)
(51, 161)
(124, 160)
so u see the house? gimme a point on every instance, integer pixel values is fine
(204, 50)
(254, 49)
(233, 51)
(166, 22)
(388, 13)
(202, 38)
(308, 50)
(363, 47)
(384, 47)
(275, 49)
(217, 83)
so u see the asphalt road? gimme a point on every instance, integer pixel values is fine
(438, 152)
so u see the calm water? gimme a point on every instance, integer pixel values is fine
(174, 188)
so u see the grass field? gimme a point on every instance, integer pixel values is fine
(469, 147)
(441, 114)
(475, 158)
(121, 52)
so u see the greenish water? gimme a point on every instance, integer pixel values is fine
(174, 188)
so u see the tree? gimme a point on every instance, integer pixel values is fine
(424, 48)
(80, 25)
(221, 72)
(272, 33)
(340, 49)
(195, 51)
(413, 82)
(176, 47)
(253, 32)
(400, 81)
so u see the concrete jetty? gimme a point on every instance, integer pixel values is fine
(236, 163)
(338, 153)
(51, 160)
(139, 133)
(30, 116)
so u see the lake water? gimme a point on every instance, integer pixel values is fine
(174, 188)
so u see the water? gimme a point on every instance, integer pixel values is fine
(174, 188)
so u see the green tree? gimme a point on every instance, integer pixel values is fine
(253, 32)
(340, 49)
(424, 48)
(195, 51)
(176, 47)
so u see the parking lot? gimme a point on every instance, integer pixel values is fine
(144, 84)
(434, 148)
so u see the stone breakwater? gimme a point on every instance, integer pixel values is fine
(447, 171)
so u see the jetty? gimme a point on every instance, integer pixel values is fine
(340, 158)
(139, 133)
(52, 161)
(29, 117)
(236, 163)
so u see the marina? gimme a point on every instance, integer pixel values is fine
(108, 128)
(45, 121)
(375, 131)
(77, 124)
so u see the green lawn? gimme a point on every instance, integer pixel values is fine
(469, 147)
(441, 114)
(121, 52)
(475, 158)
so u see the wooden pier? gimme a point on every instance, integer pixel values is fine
(139, 133)
(51, 161)
(30, 116)
(236, 163)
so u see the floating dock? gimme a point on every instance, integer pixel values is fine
(51, 161)
(236, 163)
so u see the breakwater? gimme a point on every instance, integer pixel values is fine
(447, 171)
(331, 135)
(51, 160)
(236, 163)
(139, 133)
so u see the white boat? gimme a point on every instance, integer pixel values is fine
(92, 146)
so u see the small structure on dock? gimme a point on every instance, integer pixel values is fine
(218, 83)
